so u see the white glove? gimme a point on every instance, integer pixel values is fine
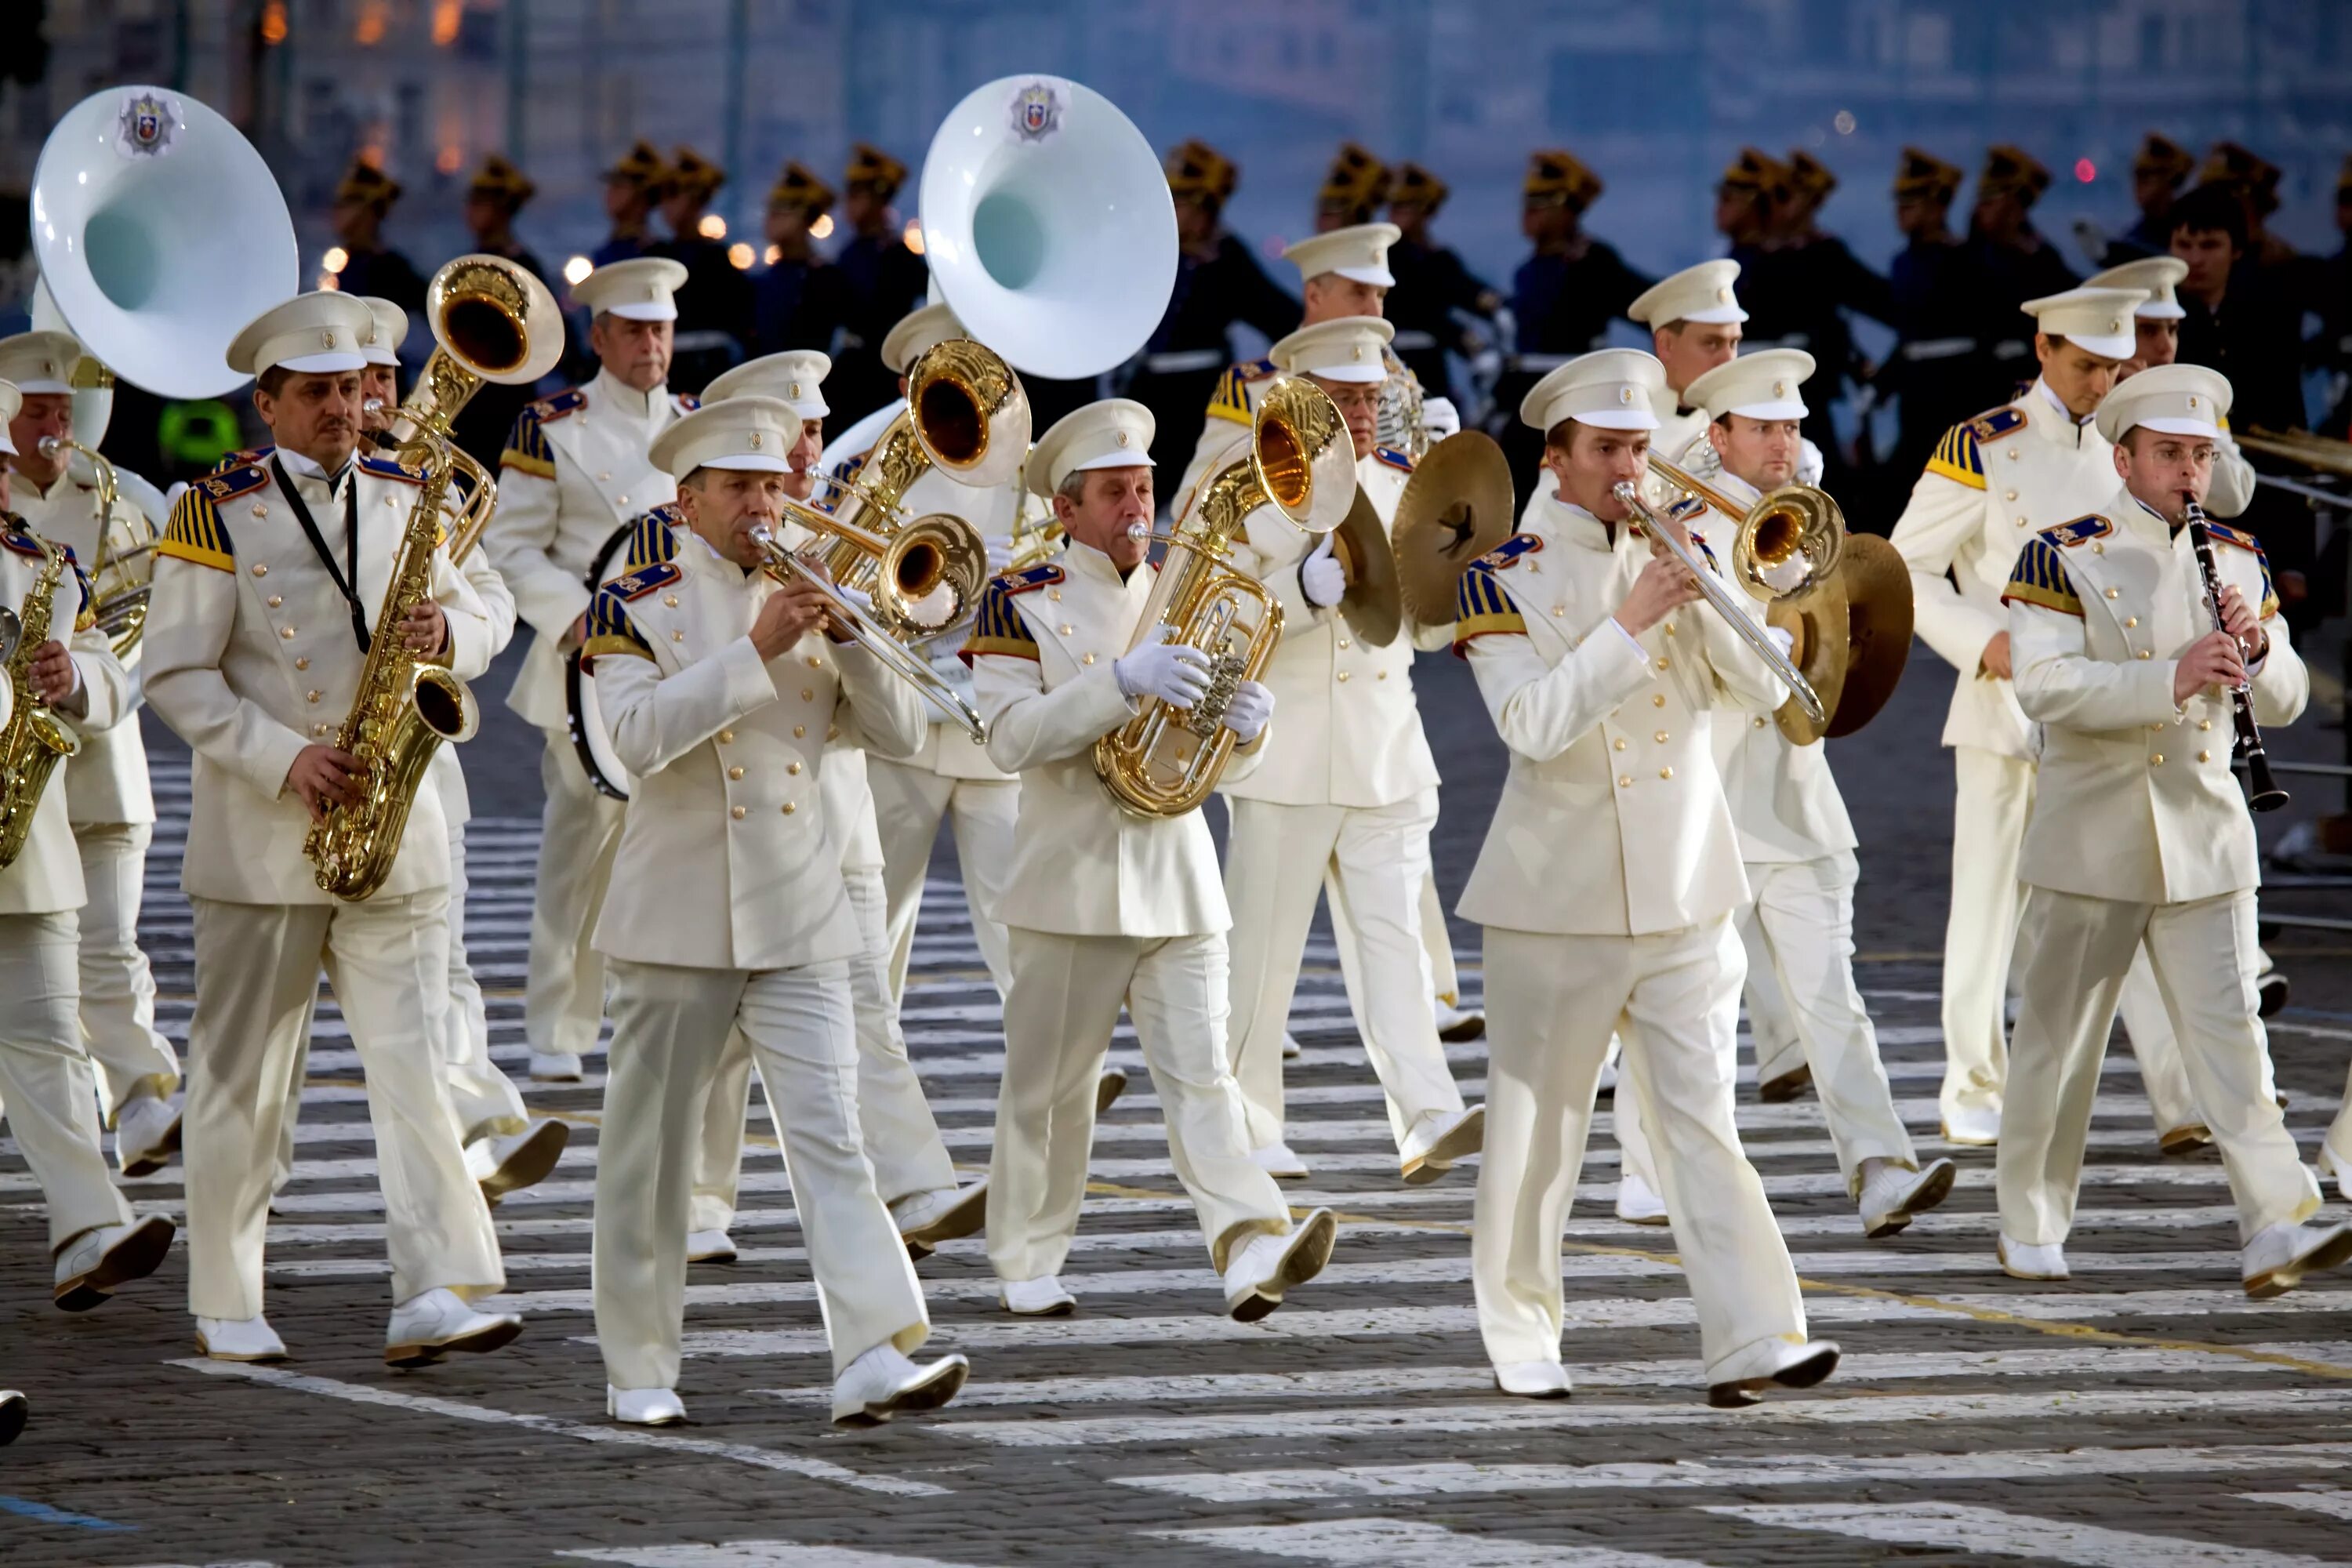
(1321, 577)
(1246, 714)
(1176, 673)
(1782, 639)
(858, 597)
(1440, 417)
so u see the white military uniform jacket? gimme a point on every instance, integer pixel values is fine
(108, 781)
(726, 860)
(1784, 801)
(1993, 481)
(46, 877)
(1612, 819)
(1041, 656)
(575, 469)
(1351, 730)
(948, 748)
(250, 656)
(2136, 800)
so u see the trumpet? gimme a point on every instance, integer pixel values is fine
(120, 579)
(1712, 589)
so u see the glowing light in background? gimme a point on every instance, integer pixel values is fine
(370, 31)
(328, 283)
(336, 258)
(822, 226)
(2085, 171)
(576, 270)
(739, 254)
(774, 254)
(450, 159)
(447, 14)
(1843, 121)
(273, 22)
(914, 235)
(712, 227)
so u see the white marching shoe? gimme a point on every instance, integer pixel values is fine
(1976, 1125)
(1279, 1161)
(1291, 1049)
(1532, 1378)
(885, 1381)
(643, 1407)
(1638, 1203)
(239, 1339)
(945, 1214)
(2278, 1257)
(434, 1323)
(104, 1259)
(1040, 1297)
(1266, 1267)
(709, 1247)
(146, 1135)
(2037, 1260)
(1772, 1363)
(1456, 1024)
(516, 1160)
(1108, 1088)
(1438, 1139)
(554, 1067)
(1892, 1197)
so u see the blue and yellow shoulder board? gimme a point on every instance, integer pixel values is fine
(610, 630)
(24, 544)
(526, 450)
(1393, 459)
(643, 581)
(998, 628)
(2224, 534)
(2039, 577)
(1507, 553)
(653, 539)
(2081, 531)
(1993, 424)
(385, 469)
(550, 409)
(1029, 579)
(230, 483)
(196, 533)
(687, 401)
(248, 458)
(1232, 399)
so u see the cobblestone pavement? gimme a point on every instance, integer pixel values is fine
(2145, 1413)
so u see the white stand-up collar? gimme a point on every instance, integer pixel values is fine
(609, 391)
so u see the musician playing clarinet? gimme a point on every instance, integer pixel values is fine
(2141, 830)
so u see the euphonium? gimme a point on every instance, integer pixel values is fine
(33, 739)
(1301, 462)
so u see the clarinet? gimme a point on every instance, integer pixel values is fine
(2246, 755)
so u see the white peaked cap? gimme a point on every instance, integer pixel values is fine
(1701, 293)
(2173, 399)
(1761, 385)
(314, 333)
(795, 376)
(12, 403)
(916, 331)
(1358, 253)
(1113, 434)
(2097, 321)
(383, 346)
(747, 432)
(40, 361)
(642, 289)
(1347, 349)
(2160, 275)
(1609, 389)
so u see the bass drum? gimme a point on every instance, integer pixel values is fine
(590, 740)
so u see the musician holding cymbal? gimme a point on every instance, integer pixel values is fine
(2139, 833)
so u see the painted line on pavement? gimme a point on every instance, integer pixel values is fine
(1954, 1527)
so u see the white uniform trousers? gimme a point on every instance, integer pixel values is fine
(1445, 982)
(118, 989)
(388, 959)
(1373, 865)
(669, 1026)
(45, 1076)
(1059, 1019)
(1551, 1002)
(1799, 929)
(2076, 951)
(902, 1141)
(2340, 1135)
(563, 989)
(1771, 1021)
(909, 805)
(487, 1101)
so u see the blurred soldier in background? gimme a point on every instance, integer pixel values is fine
(1434, 293)
(714, 305)
(2157, 168)
(1563, 297)
(1352, 190)
(2254, 181)
(799, 301)
(1219, 284)
(495, 195)
(885, 280)
(631, 187)
(363, 200)
(2013, 264)
(1934, 376)
(1814, 280)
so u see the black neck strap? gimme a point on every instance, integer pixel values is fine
(346, 577)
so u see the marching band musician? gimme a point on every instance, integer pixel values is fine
(1796, 845)
(1601, 688)
(2140, 838)
(721, 688)
(107, 795)
(1693, 318)
(2156, 324)
(265, 596)
(576, 469)
(912, 1170)
(46, 1079)
(1105, 905)
(1343, 800)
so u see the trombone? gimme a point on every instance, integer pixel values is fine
(1774, 552)
(120, 580)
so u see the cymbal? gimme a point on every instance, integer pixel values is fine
(1878, 619)
(1816, 621)
(1360, 544)
(1456, 506)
